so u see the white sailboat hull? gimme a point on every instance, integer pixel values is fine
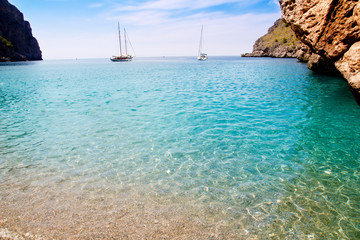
(121, 58)
(202, 57)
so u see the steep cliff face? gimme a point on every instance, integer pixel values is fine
(331, 29)
(279, 42)
(16, 40)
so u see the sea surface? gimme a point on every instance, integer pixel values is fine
(174, 148)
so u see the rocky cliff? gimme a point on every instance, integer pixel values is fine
(279, 42)
(16, 40)
(331, 29)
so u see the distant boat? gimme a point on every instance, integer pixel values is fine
(201, 56)
(122, 57)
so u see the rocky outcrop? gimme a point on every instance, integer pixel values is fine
(331, 29)
(16, 40)
(279, 42)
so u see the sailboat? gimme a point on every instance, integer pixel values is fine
(201, 56)
(122, 57)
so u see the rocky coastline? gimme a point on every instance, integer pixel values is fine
(331, 31)
(16, 40)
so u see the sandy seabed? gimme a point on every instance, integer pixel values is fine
(49, 214)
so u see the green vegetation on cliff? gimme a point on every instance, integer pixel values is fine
(6, 43)
(280, 41)
(281, 34)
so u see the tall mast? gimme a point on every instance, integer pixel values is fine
(125, 42)
(119, 39)
(200, 45)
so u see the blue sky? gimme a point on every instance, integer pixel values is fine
(69, 29)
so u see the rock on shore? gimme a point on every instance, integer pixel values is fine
(331, 30)
(16, 40)
(279, 42)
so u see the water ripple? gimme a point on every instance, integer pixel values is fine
(263, 147)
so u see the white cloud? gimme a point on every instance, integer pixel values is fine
(96, 5)
(141, 18)
(161, 5)
(276, 2)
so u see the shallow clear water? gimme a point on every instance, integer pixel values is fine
(262, 147)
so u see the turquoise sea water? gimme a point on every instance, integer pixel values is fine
(235, 147)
